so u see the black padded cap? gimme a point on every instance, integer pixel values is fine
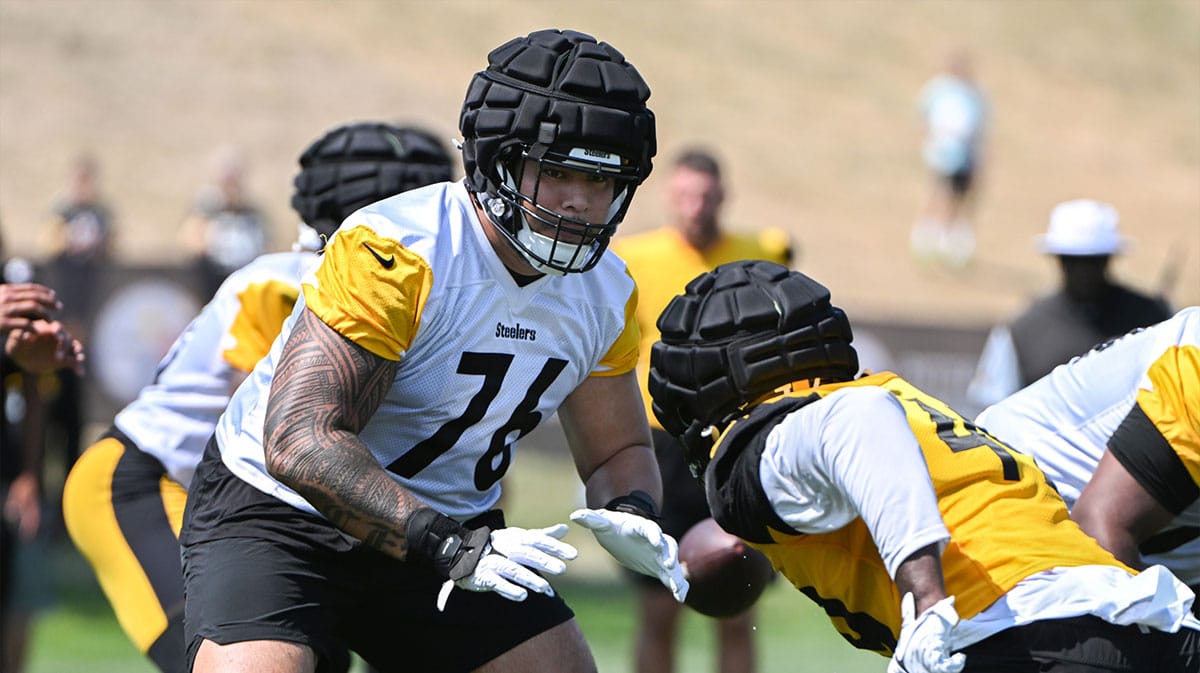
(559, 89)
(739, 332)
(357, 164)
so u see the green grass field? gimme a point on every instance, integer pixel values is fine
(81, 635)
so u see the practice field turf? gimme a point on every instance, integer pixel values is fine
(80, 635)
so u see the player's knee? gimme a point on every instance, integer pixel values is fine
(254, 656)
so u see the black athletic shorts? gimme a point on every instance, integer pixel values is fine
(683, 501)
(1084, 645)
(257, 568)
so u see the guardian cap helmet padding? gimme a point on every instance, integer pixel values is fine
(357, 164)
(559, 98)
(737, 333)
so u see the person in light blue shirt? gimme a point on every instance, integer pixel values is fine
(954, 111)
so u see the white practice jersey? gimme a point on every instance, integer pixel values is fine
(482, 360)
(1066, 418)
(173, 418)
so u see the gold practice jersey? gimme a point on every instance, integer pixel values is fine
(838, 484)
(663, 263)
(482, 359)
(173, 418)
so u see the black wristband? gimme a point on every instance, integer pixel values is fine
(451, 549)
(637, 502)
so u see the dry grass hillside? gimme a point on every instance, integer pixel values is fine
(811, 103)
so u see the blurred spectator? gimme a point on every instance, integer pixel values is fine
(80, 237)
(662, 261)
(954, 111)
(1087, 309)
(79, 240)
(33, 344)
(225, 229)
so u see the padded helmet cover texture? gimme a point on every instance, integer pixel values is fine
(557, 89)
(357, 164)
(737, 333)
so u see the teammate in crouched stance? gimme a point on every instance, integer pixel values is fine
(924, 538)
(348, 490)
(124, 498)
(1117, 431)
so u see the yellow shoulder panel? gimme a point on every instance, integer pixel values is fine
(263, 308)
(1173, 404)
(622, 356)
(371, 290)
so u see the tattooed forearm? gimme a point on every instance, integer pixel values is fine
(324, 391)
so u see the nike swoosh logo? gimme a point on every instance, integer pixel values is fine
(387, 263)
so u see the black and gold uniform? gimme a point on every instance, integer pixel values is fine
(1005, 521)
(861, 488)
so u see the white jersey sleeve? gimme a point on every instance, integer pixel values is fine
(826, 464)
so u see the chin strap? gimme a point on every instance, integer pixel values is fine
(497, 210)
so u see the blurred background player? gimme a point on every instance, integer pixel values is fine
(79, 241)
(124, 499)
(1117, 431)
(1087, 308)
(32, 343)
(225, 229)
(662, 261)
(955, 113)
(922, 537)
(352, 483)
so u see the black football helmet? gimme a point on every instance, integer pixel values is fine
(560, 98)
(737, 333)
(357, 164)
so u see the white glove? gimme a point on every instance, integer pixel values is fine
(924, 645)
(505, 566)
(638, 544)
(540, 548)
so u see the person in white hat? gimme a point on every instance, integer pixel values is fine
(1088, 307)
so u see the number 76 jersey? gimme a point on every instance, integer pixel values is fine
(482, 359)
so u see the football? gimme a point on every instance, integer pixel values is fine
(726, 575)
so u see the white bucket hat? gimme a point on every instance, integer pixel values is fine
(1083, 227)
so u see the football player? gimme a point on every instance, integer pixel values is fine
(123, 499)
(350, 487)
(924, 538)
(1117, 431)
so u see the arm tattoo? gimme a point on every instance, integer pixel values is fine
(324, 391)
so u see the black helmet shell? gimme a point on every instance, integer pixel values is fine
(360, 163)
(559, 89)
(737, 333)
